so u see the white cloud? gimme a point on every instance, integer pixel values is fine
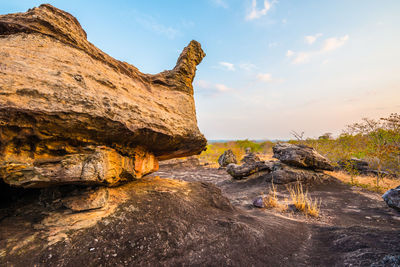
(267, 77)
(247, 66)
(334, 43)
(301, 57)
(227, 66)
(329, 44)
(222, 87)
(211, 88)
(289, 53)
(220, 3)
(256, 13)
(310, 39)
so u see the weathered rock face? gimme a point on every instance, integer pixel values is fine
(295, 163)
(250, 158)
(301, 156)
(392, 198)
(227, 158)
(69, 113)
(247, 169)
(284, 174)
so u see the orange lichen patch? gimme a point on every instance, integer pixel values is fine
(367, 182)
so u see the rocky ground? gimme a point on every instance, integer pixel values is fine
(355, 226)
(194, 215)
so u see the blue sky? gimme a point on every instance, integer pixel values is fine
(271, 66)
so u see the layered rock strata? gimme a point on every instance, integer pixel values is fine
(69, 113)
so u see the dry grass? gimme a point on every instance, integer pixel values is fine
(303, 202)
(271, 200)
(367, 182)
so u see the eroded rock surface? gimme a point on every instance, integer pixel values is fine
(247, 169)
(392, 198)
(227, 158)
(69, 113)
(250, 158)
(283, 174)
(301, 156)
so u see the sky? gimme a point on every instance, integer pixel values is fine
(272, 67)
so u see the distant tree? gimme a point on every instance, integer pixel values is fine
(325, 136)
(299, 136)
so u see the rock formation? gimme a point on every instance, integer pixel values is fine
(283, 174)
(301, 156)
(392, 198)
(296, 163)
(71, 114)
(227, 158)
(249, 158)
(249, 168)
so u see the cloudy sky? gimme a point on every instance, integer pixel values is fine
(271, 66)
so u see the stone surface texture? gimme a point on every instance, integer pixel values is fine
(227, 158)
(69, 113)
(247, 169)
(284, 174)
(301, 156)
(392, 198)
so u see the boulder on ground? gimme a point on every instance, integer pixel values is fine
(227, 158)
(63, 100)
(259, 202)
(247, 169)
(301, 156)
(250, 158)
(392, 198)
(355, 164)
(360, 166)
(283, 174)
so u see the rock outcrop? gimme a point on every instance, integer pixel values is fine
(392, 198)
(247, 169)
(71, 114)
(301, 156)
(250, 158)
(283, 174)
(294, 164)
(227, 158)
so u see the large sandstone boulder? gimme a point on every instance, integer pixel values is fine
(227, 158)
(392, 198)
(69, 113)
(301, 156)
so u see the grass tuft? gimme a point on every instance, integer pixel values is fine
(303, 202)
